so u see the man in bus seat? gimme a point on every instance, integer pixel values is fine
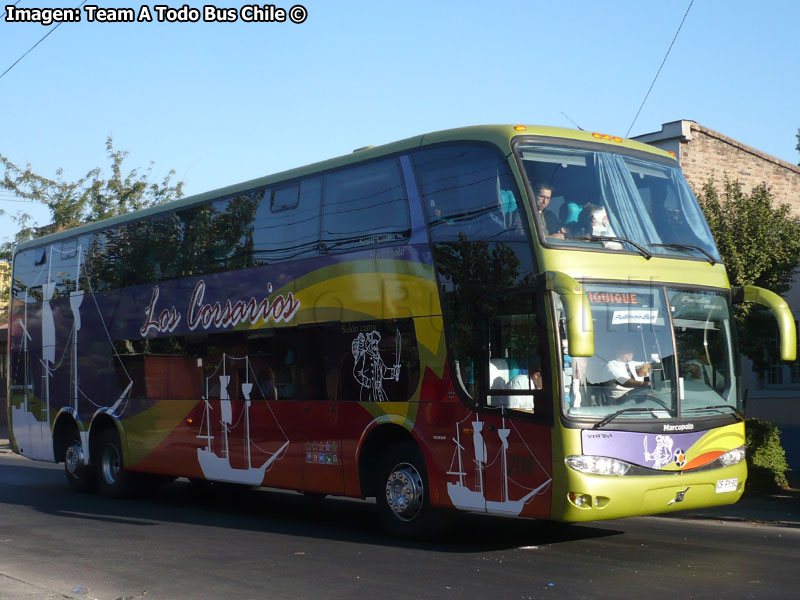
(532, 380)
(543, 193)
(627, 373)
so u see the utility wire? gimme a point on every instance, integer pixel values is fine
(43, 38)
(659, 68)
(5, 12)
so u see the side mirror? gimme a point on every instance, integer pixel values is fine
(780, 310)
(580, 330)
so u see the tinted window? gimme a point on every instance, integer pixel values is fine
(365, 206)
(218, 237)
(287, 222)
(160, 368)
(481, 252)
(469, 193)
(514, 369)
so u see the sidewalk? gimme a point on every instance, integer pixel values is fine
(780, 507)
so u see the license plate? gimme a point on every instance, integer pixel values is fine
(727, 485)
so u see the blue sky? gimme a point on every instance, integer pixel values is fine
(223, 103)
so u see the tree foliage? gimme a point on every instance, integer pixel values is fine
(90, 198)
(798, 143)
(760, 245)
(766, 458)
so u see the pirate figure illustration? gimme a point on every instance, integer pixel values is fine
(662, 455)
(369, 369)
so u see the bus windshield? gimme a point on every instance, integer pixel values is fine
(660, 353)
(618, 202)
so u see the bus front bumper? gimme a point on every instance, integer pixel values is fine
(582, 497)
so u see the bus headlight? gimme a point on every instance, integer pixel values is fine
(732, 457)
(598, 465)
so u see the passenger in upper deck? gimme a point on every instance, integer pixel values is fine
(547, 218)
(593, 220)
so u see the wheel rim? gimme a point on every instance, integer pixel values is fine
(74, 459)
(110, 464)
(404, 491)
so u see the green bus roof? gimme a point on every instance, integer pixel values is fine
(499, 135)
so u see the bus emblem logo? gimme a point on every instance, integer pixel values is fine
(678, 497)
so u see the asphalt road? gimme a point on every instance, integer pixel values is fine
(182, 542)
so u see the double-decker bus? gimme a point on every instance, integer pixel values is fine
(516, 320)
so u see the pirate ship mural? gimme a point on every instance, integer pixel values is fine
(58, 368)
(215, 457)
(59, 358)
(475, 496)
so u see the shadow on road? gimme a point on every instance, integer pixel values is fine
(42, 487)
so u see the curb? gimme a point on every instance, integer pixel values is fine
(737, 519)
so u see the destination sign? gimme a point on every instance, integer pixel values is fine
(616, 298)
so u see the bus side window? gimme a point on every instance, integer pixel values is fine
(365, 206)
(515, 365)
(287, 223)
(469, 194)
(312, 358)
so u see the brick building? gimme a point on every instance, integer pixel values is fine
(704, 153)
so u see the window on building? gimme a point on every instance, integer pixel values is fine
(780, 373)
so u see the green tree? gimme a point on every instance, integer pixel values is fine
(798, 143)
(760, 245)
(91, 198)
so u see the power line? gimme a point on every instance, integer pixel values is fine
(5, 12)
(659, 68)
(43, 38)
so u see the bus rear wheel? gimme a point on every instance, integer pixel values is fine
(112, 478)
(402, 495)
(80, 476)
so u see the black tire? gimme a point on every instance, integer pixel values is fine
(112, 478)
(80, 476)
(402, 495)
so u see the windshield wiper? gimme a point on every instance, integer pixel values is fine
(613, 416)
(711, 259)
(612, 238)
(715, 406)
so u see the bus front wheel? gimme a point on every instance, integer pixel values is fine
(402, 495)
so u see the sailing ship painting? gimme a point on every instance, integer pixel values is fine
(31, 426)
(475, 499)
(49, 350)
(215, 459)
(31, 422)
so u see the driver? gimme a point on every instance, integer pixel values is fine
(628, 373)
